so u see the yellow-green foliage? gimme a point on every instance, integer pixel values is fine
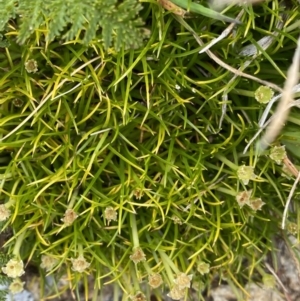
(113, 163)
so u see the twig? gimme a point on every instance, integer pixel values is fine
(264, 126)
(288, 298)
(253, 52)
(223, 35)
(221, 63)
(290, 166)
(289, 200)
(282, 110)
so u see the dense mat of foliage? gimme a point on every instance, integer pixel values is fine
(119, 22)
(117, 164)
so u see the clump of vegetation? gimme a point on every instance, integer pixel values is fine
(128, 163)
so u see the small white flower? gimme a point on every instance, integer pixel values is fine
(69, 217)
(177, 87)
(183, 281)
(79, 264)
(176, 293)
(14, 268)
(278, 154)
(203, 268)
(155, 280)
(139, 296)
(245, 173)
(31, 66)
(48, 262)
(17, 286)
(243, 197)
(4, 213)
(138, 255)
(110, 214)
(256, 204)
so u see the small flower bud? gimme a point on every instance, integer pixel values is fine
(17, 286)
(177, 87)
(269, 281)
(48, 262)
(263, 94)
(245, 173)
(31, 66)
(4, 213)
(110, 214)
(69, 217)
(278, 154)
(203, 268)
(176, 293)
(198, 286)
(17, 102)
(243, 197)
(292, 228)
(155, 280)
(138, 255)
(79, 264)
(256, 204)
(176, 220)
(14, 268)
(183, 281)
(138, 193)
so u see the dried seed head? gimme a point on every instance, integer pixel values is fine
(278, 154)
(139, 296)
(31, 66)
(183, 281)
(243, 197)
(14, 268)
(245, 173)
(256, 204)
(110, 214)
(69, 217)
(203, 268)
(263, 94)
(79, 264)
(176, 293)
(138, 255)
(48, 262)
(269, 281)
(155, 280)
(17, 286)
(4, 213)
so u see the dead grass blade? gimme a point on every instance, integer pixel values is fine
(283, 108)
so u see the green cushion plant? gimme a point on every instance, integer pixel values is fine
(122, 153)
